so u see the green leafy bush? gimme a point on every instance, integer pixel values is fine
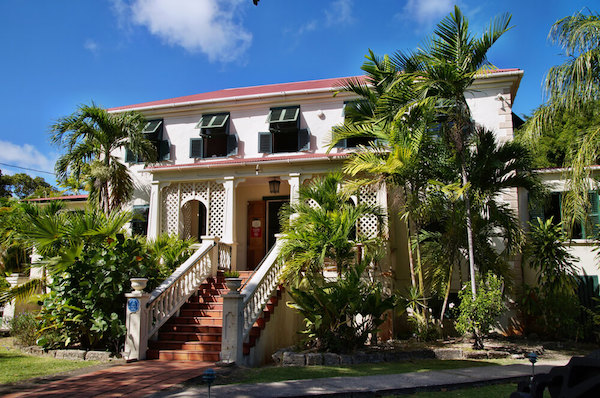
(24, 328)
(340, 314)
(477, 315)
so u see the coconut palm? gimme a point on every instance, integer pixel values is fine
(574, 86)
(321, 229)
(90, 137)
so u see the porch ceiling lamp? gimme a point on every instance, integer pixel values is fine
(274, 185)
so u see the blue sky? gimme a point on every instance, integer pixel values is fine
(59, 54)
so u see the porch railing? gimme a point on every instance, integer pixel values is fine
(150, 311)
(242, 309)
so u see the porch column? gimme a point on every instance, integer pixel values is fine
(295, 180)
(229, 218)
(154, 211)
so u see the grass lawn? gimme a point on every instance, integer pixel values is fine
(16, 366)
(272, 374)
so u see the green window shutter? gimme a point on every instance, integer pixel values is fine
(265, 142)
(213, 120)
(303, 140)
(592, 228)
(153, 130)
(284, 114)
(196, 147)
(164, 150)
(232, 145)
(535, 211)
(341, 144)
(130, 156)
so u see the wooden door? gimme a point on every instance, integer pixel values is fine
(256, 233)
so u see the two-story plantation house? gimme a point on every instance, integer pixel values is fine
(230, 159)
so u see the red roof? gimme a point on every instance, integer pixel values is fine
(66, 197)
(238, 161)
(245, 91)
(323, 84)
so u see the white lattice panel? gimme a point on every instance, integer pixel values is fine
(368, 226)
(194, 191)
(170, 210)
(216, 210)
(186, 216)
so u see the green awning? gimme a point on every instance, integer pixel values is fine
(212, 121)
(286, 114)
(152, 126)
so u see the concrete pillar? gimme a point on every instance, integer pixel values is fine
(232, 338)
(14, 307)
(154, 211)
(136, 340)
(214, 255)
(295, 180)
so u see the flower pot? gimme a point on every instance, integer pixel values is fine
(233, 284)
(139, 284)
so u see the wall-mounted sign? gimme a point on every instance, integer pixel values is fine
(133, 305)
(256, 228)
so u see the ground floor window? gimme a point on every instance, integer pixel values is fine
(139, 222)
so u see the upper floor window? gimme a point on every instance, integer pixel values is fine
(582, 229)
(285, 134)
(215, 139)
(153, 131)
(354, 109)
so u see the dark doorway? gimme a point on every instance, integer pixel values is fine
(273, 224)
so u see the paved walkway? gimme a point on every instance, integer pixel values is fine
(137, 379)
(366, 385)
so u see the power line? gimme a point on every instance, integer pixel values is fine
(26, 168)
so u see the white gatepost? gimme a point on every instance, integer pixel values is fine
(13, 307)
(232, 338)
(214, 255)
(154, 211)
(136, 340)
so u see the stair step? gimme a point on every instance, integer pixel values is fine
(187, 336)
(201, 313)
(212, 346)
(190, 328)
(196, 320)
(203, 306)
(180, 355)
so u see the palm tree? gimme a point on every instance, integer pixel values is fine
(321, 229)
(573, 86)
(90, 136)
(443, 71)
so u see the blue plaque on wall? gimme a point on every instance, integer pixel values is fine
(133, 305)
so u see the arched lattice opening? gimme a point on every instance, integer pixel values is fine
(194, 219)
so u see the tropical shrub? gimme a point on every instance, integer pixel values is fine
(476, 315)
(24, 329)
(552, 306)
(341, 314)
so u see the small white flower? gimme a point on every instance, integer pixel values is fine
(451, 305)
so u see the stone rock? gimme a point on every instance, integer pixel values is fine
(360, 357)
(103, 356)
(478, 354)
(331, 359)
(375, 357)
(421, 354)
(33, 350)
(314, 359)
(70, 354)
(517, 356)
(345, 359)
(278, 357)
(50, 353)
(293, 359)
(448, 353)
(498, 354)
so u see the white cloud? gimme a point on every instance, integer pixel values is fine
(308, 27)
(427, 11)
(27, 156)
(91, 46)
(340, 12)
(212, 27)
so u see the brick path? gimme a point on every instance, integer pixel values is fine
(137, 379)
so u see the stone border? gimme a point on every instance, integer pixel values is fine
(286, 357)
(75, 355)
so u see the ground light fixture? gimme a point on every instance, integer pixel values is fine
(274, 185)
(209, 377)
(533, 359)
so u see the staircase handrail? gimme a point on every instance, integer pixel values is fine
(170, 295)
(260, 287)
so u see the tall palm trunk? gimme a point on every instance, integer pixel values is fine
(469, 233)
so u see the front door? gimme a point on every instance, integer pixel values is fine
(257, 212)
